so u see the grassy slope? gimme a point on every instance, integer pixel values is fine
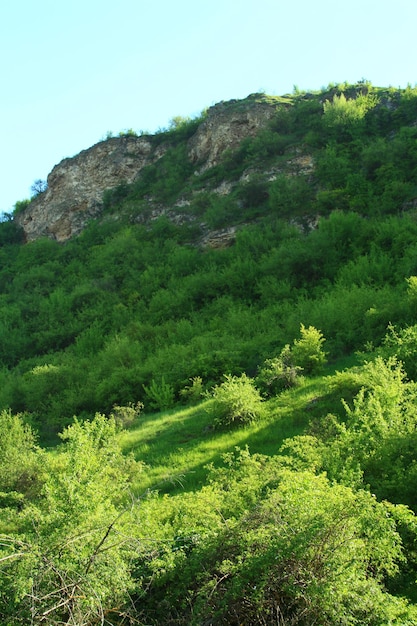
(177, 446)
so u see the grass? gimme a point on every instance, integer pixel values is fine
(176, 446)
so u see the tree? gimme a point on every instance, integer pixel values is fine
(65, 557)
(39, 186)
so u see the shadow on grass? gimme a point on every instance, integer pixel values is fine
(177, 446)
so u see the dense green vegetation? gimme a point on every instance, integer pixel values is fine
(192, 435)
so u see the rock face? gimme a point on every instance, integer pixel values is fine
(76, 185)
(225, 127)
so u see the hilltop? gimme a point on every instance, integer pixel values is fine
(75, 187)
(285, 135)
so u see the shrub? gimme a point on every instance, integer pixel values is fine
(160, 395)
(20, 468)
(20, 206)
(290, 196)
(193, 392)
(235, 401)
(124, 416)
(294, 549)
(279, 373)
(307, 351)
(305, 355)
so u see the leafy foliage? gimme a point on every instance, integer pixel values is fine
(160, 395)
(193, 392)
(19, 469)
(235, 401)
(279, 373)
(67, 559)
(284, 371)
(317, 524)
(307, 352)
(309, 551)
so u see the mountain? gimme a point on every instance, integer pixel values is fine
(261, 138)
(208, 376)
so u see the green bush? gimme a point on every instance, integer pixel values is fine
(20, 468)
(284, 371)
(235, 401)
(124, 416)
(66, 555)
(307, 351)
(160, 394)
(279, 373)
(193, 392)
(20, 206)
(290, 195)
(291, 548)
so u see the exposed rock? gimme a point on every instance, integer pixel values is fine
(299, 164)
(76, 186)
(218, 239)
(224, 188)
(225, 127)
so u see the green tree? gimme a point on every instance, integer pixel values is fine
(66, 556)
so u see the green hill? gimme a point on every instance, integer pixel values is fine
(208, 380)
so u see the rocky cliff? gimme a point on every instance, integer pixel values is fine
(76, 185)
(224, 128)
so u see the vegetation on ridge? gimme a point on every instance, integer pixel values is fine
(191, 435)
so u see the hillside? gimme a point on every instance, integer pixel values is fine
(208, 380)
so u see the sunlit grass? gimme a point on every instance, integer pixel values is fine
(177, 446)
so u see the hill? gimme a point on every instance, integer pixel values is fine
(217, 322)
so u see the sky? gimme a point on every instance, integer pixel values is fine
(73, 70)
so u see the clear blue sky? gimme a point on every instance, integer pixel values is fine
(73, 70)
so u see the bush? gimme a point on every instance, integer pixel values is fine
(193, 392)
(124, 416)
(160, 395)
(293, 549)
(236, 401)
(20, 206)
(279, 373)
(284, 371)
(307, 351)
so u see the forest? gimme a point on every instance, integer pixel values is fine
(196, 435)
